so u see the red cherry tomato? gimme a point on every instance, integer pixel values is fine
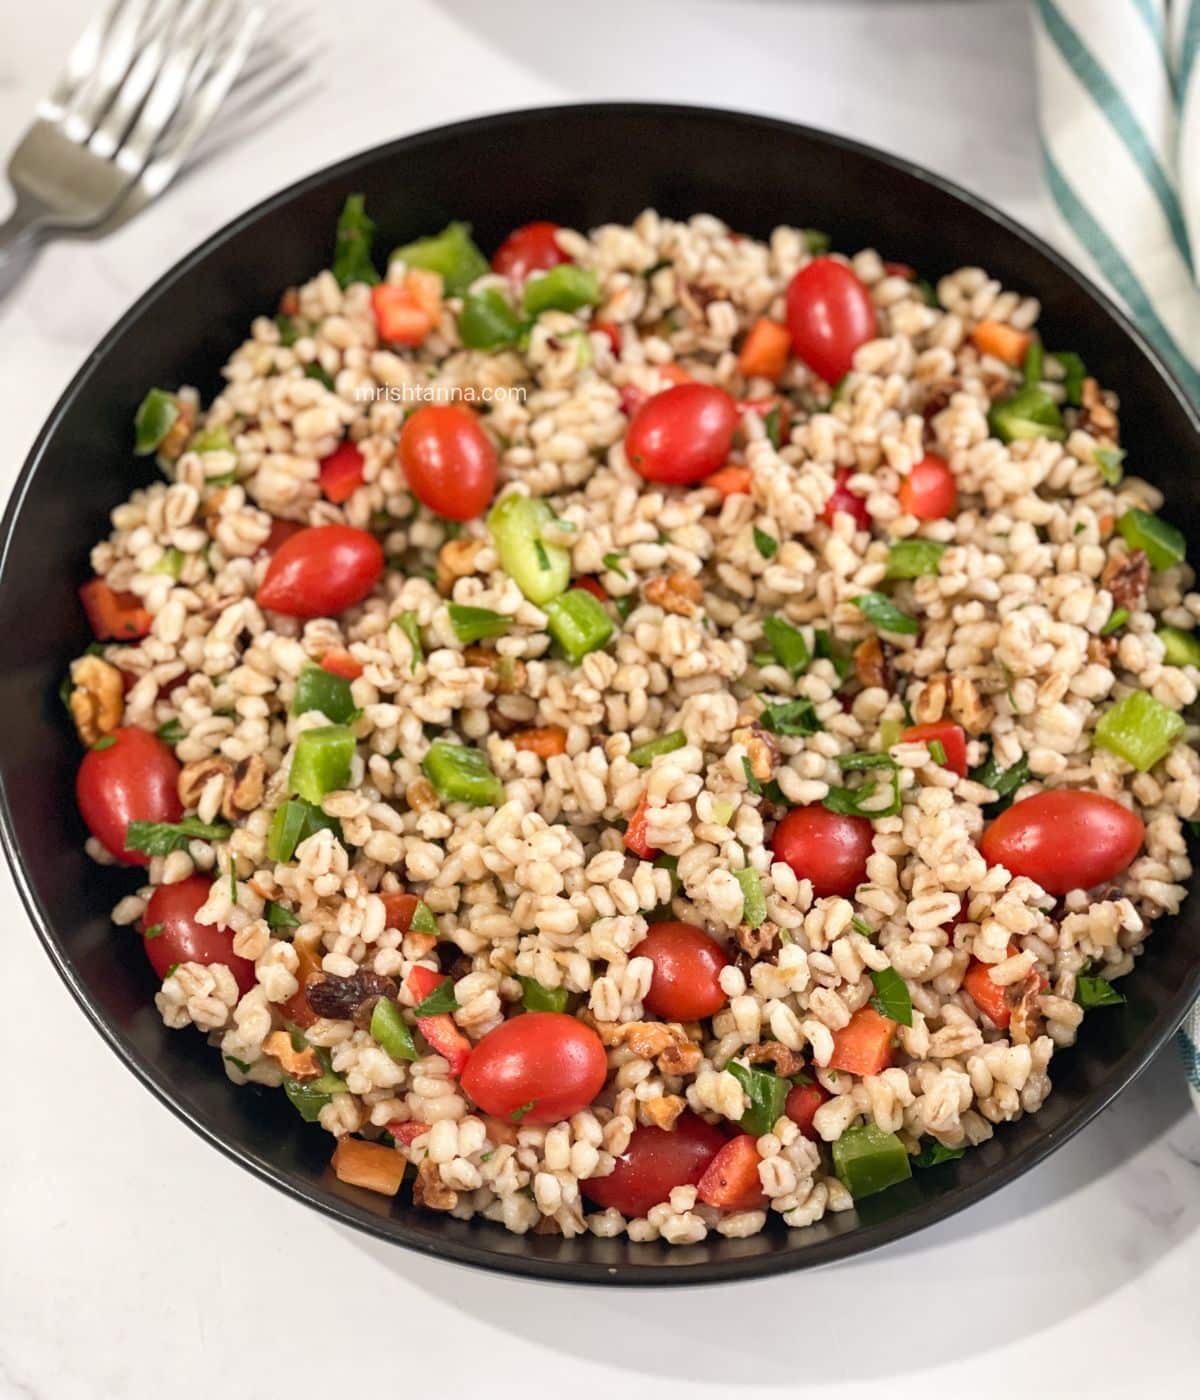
(845, 502)
(825, 847)
(530, 248)
(802, 1102)
(1065, 839)
(929, 491)
(172, 934)
(321, 571)
(654, 1164)
(448, 461)
(952, 738)
(830, 314)
(543, 1065)
(280, 532)
(685, 984)
(135, 778)
(341, 473)
(683, 434)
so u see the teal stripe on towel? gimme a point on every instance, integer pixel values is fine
(1190, 46)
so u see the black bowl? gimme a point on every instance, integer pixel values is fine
(581, 166)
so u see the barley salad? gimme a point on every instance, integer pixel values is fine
(644, 733)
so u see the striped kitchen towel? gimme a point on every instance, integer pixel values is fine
(1119, 87)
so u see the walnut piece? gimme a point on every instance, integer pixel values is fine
(197, 775)
(97, 698)
(172, 446)
(1127, 576)
(1024, 997)
(1098, 415)
(762, 751)
(663, 1111)
(430, 1190)
(244, 791)
(873, 663)
(506, 674)
(666, 1044)
(296, 1064)
(456, 559)
(787, 1062)
(675, 593)
(929, 705)
(967, 706)
(756, 941)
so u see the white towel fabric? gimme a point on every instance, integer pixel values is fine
(1119, 84)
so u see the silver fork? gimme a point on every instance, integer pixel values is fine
(139, 88)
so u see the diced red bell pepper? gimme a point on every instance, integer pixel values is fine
(611, 330)
(764, 353)
(844, 501)
(407, 1133)
(730, 1180)
(985, 993)
(803, 1100)
(952, 738)
(115, 617)
(399, 907)
(341, 473)
(635, 832)
(405, 312)
(864, 1046)
(342, 663)
(440, 1031)
(592, 586)
(899, 269)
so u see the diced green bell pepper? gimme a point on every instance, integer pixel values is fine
(295, 821)
(1029, 413)
(866, 1160)
(1139, 729)
(541, 571)
(643, 755)
(451, 253)
(462, 774)
(1180, 648)
(579, 623)
(914, 558)
(214, 439)
(319, 689)
(321, 762)
(487, 321)
(754, 902)
(1162, 544)
(473, 624)
(156, 416)
(535, 997)
(390, 1029)
(352, 244)
(564, 288)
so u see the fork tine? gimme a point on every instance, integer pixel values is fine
(132, 29)
(166, 158)
(81, 61)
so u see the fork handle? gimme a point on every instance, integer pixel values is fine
(19, 230)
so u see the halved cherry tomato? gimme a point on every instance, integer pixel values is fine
(764, 352)
(730, 1180)
(341, 473)
(685, 984)
(591, 585)
(952, 738)
(612, 330)
(530, 248)
(440, 1031)
(321, 571)
(845, 501)
(135, 778)
(864, 1046)
(803, 1100)
(542, 1066)
(929, 491)
(1065, 839)
(449, 461)
(116, 617)
(399, 907)
(342, 663)
(830, 314)
(405, 312)
(635, 832)
(682, 435)
(825, 847)
(172, 934)
(654, 1164)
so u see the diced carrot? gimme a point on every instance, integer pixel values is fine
(592, 586)
(764, 353)
(407, 1133)
(399, 908)
(342, 663)
(730, 1180)
(369, 1164)
(296, 1009)
(116, 617)
(407, 311)
(986, 995)
(341, 473)
(440, 1031)
(864, 1046)
(674, 374)
(611, 330)
(545, 742)
(1001, 341)
(899, 269)
(732, 480)
(635, 832)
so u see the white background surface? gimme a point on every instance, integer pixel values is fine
(135, 1261)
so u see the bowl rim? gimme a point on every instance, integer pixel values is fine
(393, 1229)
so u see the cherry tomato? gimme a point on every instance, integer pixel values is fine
(543, 1065)
(845, 502)
(173, 935)
(281, 530)
(448, 461)
(683, 434)
(685, 984)
(321, 571)
(825, 847)
(1065, 839)
(929, 491)
(802, 1102)
(135, 778)
(952, 738)
(530, 248)
(830, 314)
(654, 1164)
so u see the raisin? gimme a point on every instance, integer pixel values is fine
(339, 998)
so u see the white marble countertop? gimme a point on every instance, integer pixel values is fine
(136, 1262)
